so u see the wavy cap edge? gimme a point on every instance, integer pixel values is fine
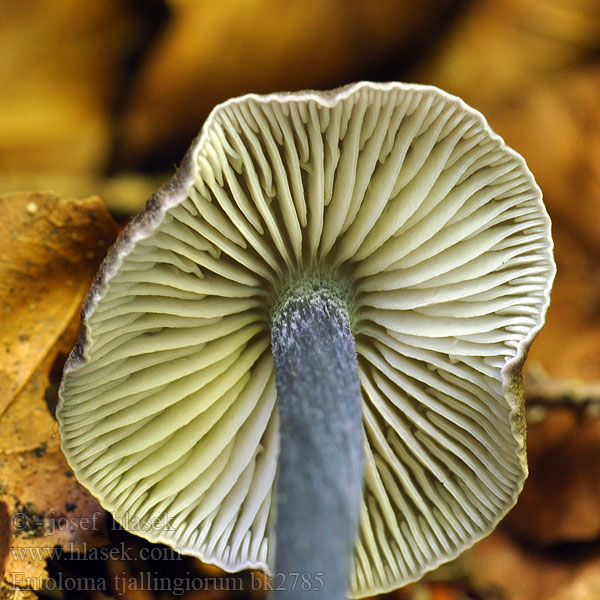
(175, 190)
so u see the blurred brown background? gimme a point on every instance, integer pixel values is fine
(104, 97)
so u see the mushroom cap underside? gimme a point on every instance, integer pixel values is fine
(404, 196)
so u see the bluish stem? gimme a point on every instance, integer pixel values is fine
(320, 470)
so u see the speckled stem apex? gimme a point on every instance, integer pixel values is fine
(320, 473)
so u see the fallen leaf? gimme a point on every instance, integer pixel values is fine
(123, 195)
(50, 249)
(45, 504)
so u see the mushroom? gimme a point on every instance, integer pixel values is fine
(304, 356)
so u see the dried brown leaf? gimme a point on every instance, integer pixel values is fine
(50, 249)
(45, 504)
